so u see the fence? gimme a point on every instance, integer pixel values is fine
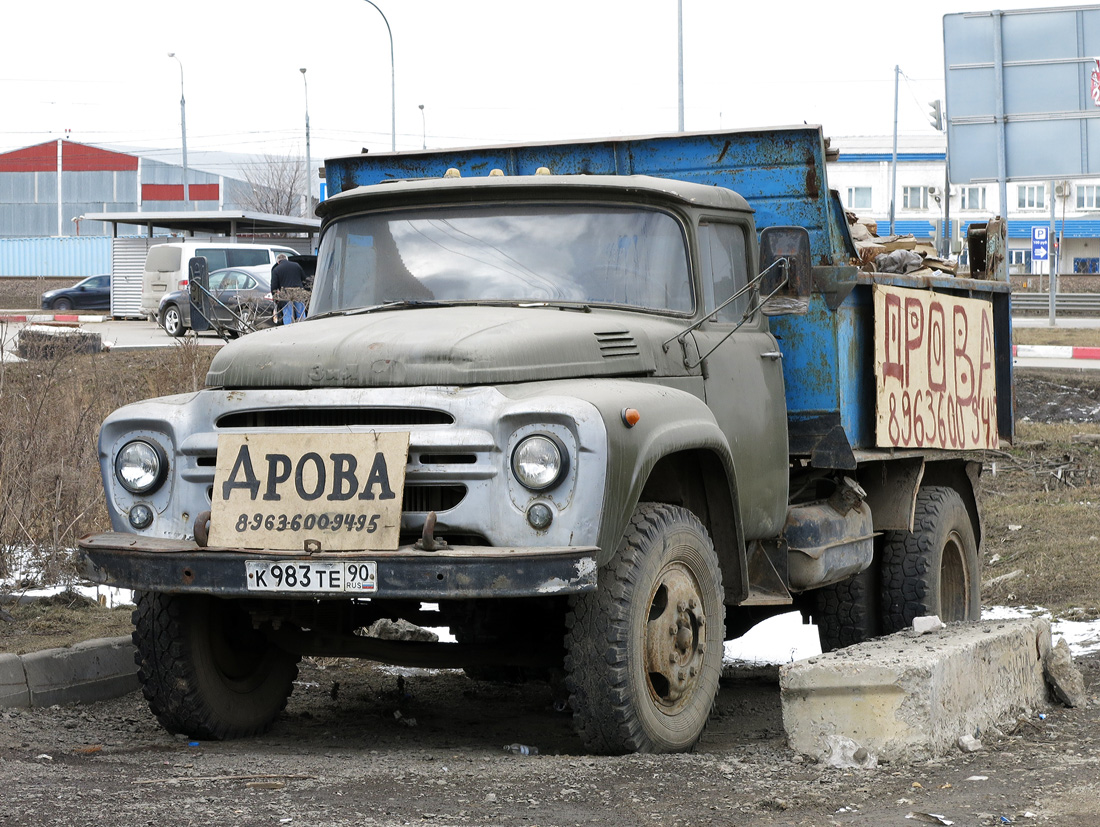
(1083, 303)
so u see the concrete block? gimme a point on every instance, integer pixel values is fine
(907, 697)
(13, 682)
(87, 672)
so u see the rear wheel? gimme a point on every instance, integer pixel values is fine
(172, 321)
(847, 613)
(932, 570)
(203, 668)
(644, 651)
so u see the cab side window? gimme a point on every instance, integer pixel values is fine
(723, 258)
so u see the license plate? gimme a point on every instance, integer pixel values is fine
(312, 577)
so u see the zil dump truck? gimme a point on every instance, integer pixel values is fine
(597, 407)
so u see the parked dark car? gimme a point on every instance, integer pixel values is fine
(92, 293)
(243, 301)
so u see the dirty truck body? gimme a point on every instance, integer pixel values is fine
(558, 407)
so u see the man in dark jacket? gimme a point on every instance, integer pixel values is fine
(287, 275)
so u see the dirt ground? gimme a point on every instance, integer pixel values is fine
(361, 744)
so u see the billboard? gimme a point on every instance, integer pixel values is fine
(1023, 93)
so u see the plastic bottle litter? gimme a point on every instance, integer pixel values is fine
(521, 749)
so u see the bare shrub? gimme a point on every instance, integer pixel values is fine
(51, 492)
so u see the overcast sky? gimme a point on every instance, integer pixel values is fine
(486, 71)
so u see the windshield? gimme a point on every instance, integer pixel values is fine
(517, 252)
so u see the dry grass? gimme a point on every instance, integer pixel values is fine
(60, 620)
(26, 293)
(1067, 336)
(51, 409)
(1041, 504)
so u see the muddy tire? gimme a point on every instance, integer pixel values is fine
(644, 651)
(847, 613)
(932, 570)
(204, 670)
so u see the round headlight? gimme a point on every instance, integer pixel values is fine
(140, 467)
(539, 462)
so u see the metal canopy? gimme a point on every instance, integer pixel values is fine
(213, 222)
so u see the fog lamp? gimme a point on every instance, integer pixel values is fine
(141, 516)
(540, 516)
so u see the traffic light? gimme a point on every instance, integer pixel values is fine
(935, 114)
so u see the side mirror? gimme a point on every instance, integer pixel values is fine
(197, 287)
(785, 252)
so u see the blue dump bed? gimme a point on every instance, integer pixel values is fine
(829, 352)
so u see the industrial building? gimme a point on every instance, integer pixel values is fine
(861, 173)
(46, 188)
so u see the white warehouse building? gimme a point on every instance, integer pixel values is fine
(861, 172)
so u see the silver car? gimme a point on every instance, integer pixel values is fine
(242, 302)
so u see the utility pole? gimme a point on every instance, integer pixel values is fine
(894, 163)
(680, 63)
(309, 160)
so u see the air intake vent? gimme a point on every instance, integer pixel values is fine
(424, 498)
(334, 417)
(616, 344)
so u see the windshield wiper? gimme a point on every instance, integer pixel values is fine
(399, 304)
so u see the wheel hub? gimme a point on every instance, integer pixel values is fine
(674, 637)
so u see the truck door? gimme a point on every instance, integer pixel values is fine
(743, 379)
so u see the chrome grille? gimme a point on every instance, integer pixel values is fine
(334, 418)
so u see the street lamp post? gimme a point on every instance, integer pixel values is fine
(680, 64)
(309, 160)
(183, 130)
(393, 87)
(423, 129)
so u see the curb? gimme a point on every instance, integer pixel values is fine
(1055, 352)
(95, 670)
(36, 318)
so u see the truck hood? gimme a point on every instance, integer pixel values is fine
(460, 345)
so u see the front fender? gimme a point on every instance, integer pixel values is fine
(674, 418)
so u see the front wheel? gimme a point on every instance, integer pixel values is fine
(932, 570)
(203, 668)
(644, 651)
(172, 321)
(63, 304)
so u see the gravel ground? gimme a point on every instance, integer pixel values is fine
(361, 744)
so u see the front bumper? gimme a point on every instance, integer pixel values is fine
(459, 572)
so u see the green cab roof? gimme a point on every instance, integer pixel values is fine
(634, 188)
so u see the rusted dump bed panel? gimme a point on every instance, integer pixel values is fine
(779, 171)
(829, 362)
(833, 383)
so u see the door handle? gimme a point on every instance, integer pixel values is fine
(771, 354)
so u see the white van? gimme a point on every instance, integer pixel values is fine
(166, 265)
